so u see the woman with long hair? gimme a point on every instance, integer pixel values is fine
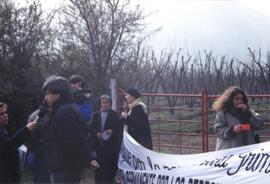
(235, 121)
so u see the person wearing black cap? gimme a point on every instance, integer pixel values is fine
(136, 119)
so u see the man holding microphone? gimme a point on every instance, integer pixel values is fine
(9, 144)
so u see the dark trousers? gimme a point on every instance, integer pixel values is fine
(107, 171)
(39, 171)
(102, 177)
(40, 175)
(9, 177)
(66, 177)
(9, 171)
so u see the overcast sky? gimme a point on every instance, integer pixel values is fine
(227, 27)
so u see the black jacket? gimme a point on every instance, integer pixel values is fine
(138, 126)
(67, 142)
(9, 158)
(111, 145)
(107, 150)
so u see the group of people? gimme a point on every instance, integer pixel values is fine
(64, 136)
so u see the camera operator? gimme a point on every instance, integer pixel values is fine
(81, 96)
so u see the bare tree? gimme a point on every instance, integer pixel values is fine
(107, 31)
(24, 42)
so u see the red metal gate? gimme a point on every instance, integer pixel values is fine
(186, 125)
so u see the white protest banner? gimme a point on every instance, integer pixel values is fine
(243, 165)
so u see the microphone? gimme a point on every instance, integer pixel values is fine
(43, 110)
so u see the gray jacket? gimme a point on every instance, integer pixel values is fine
(227, 138)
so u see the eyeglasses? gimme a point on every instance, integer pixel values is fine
(3, 113)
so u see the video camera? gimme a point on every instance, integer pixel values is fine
(81, 95)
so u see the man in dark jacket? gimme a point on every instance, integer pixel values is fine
(67, 144)
(81, 96)
(9, 158)
(105, 126)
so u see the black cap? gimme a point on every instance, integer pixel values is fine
(134, 92)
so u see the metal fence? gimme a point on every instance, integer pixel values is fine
(183, 123)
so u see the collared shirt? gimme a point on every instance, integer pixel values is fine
(104, 115)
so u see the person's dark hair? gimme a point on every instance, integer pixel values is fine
(105, 97)
(58, 85)
(134, 92)
(225, 101)
(3, 105)
(125, 106)
(76, 78)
